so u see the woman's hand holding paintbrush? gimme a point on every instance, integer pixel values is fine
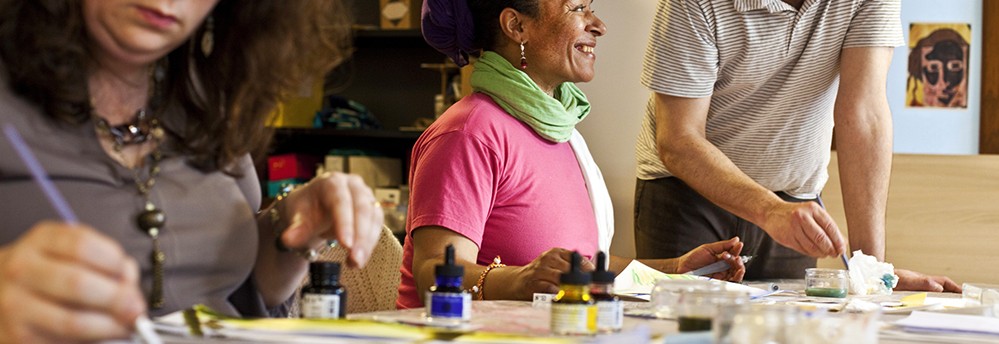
(65, 280)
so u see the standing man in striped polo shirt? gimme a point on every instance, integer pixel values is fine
(737, 136)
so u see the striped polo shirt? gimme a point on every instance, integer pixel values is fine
(771, 71)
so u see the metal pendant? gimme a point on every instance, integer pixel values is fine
(150, 221)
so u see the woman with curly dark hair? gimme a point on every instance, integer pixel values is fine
(144, 114)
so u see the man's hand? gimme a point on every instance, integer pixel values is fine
(914, 281)
(805, 227)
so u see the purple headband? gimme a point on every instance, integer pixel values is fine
(448, 27)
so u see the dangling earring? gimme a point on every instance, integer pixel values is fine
(523, 58)
(208, 37)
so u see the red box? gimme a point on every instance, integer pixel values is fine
(294, 165)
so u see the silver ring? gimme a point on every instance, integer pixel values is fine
(332, 243)
(309, 255)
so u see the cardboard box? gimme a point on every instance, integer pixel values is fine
(376, 171)
(388, 196)
(294, 165)
(335, 163)
(400, 14)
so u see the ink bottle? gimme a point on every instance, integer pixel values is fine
(324, 297)
(610, 309)
(574, 312)
(447, 301)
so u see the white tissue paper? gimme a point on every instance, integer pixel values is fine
(868, 276)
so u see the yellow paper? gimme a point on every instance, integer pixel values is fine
(509, 338)
(914, 300)
(317, 327)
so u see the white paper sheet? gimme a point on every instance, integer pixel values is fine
(944, 322)
(638, 279)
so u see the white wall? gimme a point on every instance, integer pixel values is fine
(618, 100)
(929, 130)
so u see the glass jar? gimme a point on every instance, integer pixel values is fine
(827, 282)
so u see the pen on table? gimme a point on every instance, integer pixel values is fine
(142, 324)
(718, 266)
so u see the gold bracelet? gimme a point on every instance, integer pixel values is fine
(478, 289)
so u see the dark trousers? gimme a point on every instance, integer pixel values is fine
(672, 219)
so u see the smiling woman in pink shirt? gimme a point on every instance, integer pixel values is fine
(502, 175)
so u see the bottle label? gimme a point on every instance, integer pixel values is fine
(574, 319)
(610, 315)
(320, 306)
(450, 305)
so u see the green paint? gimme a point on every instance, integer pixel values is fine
(826, 292)
(694, 324)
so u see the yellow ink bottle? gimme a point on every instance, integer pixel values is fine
(573, 311)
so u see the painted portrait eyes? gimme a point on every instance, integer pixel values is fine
(955, 66)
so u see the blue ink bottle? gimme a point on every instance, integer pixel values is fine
(448, 302)
(324, 297)
(610, 309)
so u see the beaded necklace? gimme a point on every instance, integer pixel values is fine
(150, 220)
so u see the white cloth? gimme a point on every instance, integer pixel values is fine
(600, 199)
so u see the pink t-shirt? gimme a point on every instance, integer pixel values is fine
(489, 177)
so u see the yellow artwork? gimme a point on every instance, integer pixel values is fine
(938, 65)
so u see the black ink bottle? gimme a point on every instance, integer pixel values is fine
(324, 297)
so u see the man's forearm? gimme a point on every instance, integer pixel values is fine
(864, 175)
(708, 171)
(864, 142)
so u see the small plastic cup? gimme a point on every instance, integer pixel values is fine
(697, 309)
(827, 282)
(836, 328)
(666, 294)
(980, 294)
(757, 323)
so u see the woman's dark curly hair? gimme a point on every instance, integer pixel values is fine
(264, 49)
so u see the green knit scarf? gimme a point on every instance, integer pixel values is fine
(551, 117)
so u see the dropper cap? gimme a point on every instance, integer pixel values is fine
(449, 268)
(575, 275)
(601, 274)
